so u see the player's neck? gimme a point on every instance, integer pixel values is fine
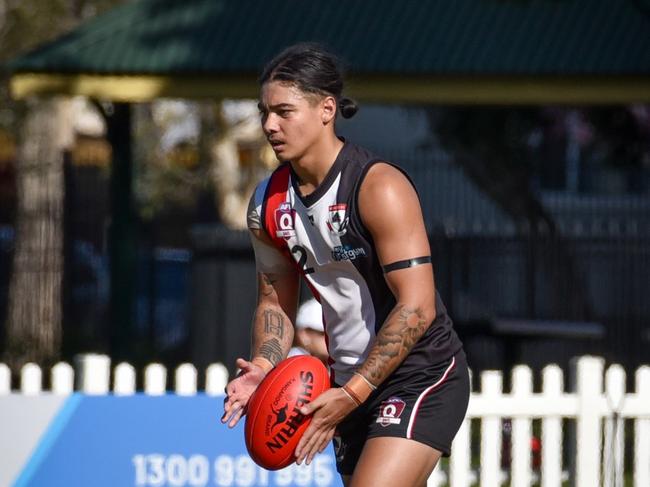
(312, 168)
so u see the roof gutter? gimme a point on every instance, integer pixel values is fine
(465, 90)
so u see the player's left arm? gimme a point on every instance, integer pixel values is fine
(390, 210)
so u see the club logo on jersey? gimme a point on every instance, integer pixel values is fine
(346, 252)
(284, 221)
(337, 222)
(390, 411)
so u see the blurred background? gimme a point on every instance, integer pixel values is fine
(130, 144)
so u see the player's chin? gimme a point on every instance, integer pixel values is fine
(284, 153)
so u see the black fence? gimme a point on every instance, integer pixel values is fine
(517, 294)
(521, 299)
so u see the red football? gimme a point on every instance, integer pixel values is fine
(274, 424)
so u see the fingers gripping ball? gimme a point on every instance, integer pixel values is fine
(274, 424)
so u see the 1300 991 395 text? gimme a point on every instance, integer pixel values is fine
(154, 469)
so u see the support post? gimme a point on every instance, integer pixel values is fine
(122, 234)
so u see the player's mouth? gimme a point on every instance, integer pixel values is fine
(277, 145)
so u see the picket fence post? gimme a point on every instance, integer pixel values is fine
(552, 389)
(460, 465)
(5, 379)
(31, 379)
(124, 380)
(614, 431)
(62, 379)
(155, 380)
(491, 389)
(588, 434)
(216, 378)
(459, 462)
(93, 373)
(522, 429)
(642, 431)
(185, 380)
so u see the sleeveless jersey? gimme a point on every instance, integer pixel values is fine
(323, 235)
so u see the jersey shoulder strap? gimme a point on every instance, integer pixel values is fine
(277, 215)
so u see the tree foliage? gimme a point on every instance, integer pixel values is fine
(43, 129)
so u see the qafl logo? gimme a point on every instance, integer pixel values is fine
(284, 221)
(390, 411)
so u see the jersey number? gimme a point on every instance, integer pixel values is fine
(302, 259)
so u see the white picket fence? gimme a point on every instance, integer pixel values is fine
(598, 409)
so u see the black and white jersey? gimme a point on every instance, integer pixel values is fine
(322, 234)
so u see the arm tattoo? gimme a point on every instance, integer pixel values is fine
(273, 322)
(271, 350)
(401, 331)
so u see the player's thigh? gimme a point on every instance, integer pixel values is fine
(390, 461)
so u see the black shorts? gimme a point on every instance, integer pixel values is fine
(427, 406)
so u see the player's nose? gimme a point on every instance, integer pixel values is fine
(270, 124)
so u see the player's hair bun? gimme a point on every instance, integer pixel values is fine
(348, 107)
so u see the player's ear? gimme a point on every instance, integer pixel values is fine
(328, 109)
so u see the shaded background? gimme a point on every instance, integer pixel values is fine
(538, 213)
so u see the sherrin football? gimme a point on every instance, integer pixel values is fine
(274, 424)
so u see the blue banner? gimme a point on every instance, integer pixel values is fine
(155, 441)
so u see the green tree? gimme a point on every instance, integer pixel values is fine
(44, 130)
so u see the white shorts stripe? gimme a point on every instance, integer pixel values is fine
(424, 394)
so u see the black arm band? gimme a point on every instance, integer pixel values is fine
(403, 264)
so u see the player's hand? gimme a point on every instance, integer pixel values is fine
(328, 411)
(239, 390)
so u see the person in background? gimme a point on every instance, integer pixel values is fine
(309, 335)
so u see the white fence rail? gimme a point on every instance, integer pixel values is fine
(597, 410)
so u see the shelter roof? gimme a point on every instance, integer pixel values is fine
(409, 49)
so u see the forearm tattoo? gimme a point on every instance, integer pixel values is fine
(402, 329)
(271, 350)
(272, 335)
(273, 323)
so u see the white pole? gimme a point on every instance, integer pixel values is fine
(5, 379)
(216, 379)
(31, 379)
(186, 380)
(552, 389)
(588, 438)
(93, 373)
(62, 379)
(522, 388)
(124, 380)
(491, 390)
(614, 431)
(155, 380)
(642, 431)
(459, 462)
(437, 477)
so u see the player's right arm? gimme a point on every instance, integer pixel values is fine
(272, 331)
(277, 298)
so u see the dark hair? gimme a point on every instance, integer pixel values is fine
(313, 70)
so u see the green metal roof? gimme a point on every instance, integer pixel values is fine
(408, 37)
(461, 51)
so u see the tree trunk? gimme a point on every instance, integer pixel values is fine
(35, 301)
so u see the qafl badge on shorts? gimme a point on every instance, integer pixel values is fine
(390, 411)
(284, 221)
(337, 220)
